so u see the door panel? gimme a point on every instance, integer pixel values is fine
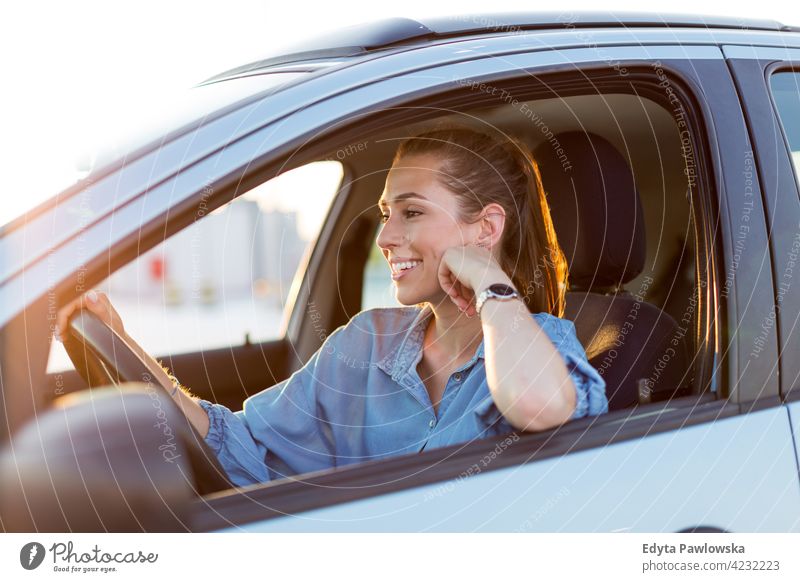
(794, 419)
(737, 474)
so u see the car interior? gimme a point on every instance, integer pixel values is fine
(624, 222)
(624, 216)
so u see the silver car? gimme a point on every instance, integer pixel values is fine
(241, 231)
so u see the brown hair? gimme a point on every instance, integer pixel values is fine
(481, 169)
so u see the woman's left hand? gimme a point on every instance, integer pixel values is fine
(466, 270)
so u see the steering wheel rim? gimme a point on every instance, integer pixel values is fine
(101, 356)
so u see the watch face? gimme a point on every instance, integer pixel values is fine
(502, 289)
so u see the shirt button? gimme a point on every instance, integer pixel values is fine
(457, 376)
(432, 423)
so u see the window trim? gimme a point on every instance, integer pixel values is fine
(770, 71)
(788, 392)
(750, 70)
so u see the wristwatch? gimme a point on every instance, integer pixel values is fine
(499, 291)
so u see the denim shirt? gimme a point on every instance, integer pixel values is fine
(360, 398)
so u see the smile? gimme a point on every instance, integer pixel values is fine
(401, 269)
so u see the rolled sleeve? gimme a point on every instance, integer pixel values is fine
(238, 452)
(279, 432)
(590, 387)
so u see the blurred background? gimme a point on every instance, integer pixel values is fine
(79, 74)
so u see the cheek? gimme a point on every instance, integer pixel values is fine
(433, 238)
(430, 246)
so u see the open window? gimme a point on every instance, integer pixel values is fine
(620, 172)
(657, 141)
(203, 298)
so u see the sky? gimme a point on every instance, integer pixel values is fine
(75, 71)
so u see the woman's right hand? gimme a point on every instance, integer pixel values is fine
(98, 304)
(94, 301)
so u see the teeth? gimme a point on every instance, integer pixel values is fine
(406, 265)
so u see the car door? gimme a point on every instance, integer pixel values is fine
(720, 461)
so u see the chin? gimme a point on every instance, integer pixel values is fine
(409, 297)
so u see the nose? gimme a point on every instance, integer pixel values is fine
(391, 235)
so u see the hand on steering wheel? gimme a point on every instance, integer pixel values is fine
(97, 303)
(95, 339)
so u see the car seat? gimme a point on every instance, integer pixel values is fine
(598, 219)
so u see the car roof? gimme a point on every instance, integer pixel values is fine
(361, 39)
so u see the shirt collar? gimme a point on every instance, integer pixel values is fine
(407, 349)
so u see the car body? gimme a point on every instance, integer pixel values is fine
(715, 453)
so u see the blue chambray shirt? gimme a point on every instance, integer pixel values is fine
(360, 398)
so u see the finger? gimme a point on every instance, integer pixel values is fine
(98, 298)
(464, 292)
(92, 304)
(99, 303)
(455, 293)
(64, 314)
(446, 280)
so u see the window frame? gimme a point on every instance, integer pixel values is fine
(247, 337)
(708, 253)
(751, 68)
(788, 340)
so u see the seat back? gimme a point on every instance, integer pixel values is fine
(598, 218)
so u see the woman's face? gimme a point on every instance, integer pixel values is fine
(420, 222)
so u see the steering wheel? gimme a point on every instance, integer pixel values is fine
(101, 356)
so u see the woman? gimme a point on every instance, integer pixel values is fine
(462, 211)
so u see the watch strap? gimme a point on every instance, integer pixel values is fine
(490, 293)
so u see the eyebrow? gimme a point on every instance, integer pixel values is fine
(403, 196)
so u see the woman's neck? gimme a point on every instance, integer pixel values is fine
(451, 333)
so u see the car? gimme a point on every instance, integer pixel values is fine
(668, 145)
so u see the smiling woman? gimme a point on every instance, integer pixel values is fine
(452, 188)
(470, 175)
(403, 379)
(432, 374)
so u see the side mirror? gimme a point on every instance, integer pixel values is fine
(105, 459)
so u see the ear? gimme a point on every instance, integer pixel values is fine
(491, 220)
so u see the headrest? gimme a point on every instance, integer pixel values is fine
(595, 208)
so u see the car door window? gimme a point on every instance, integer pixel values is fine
(647, 140)
(227, 276)
(786, 93)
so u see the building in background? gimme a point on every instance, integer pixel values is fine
(238, 252)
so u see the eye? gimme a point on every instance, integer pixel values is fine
(408, 214)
